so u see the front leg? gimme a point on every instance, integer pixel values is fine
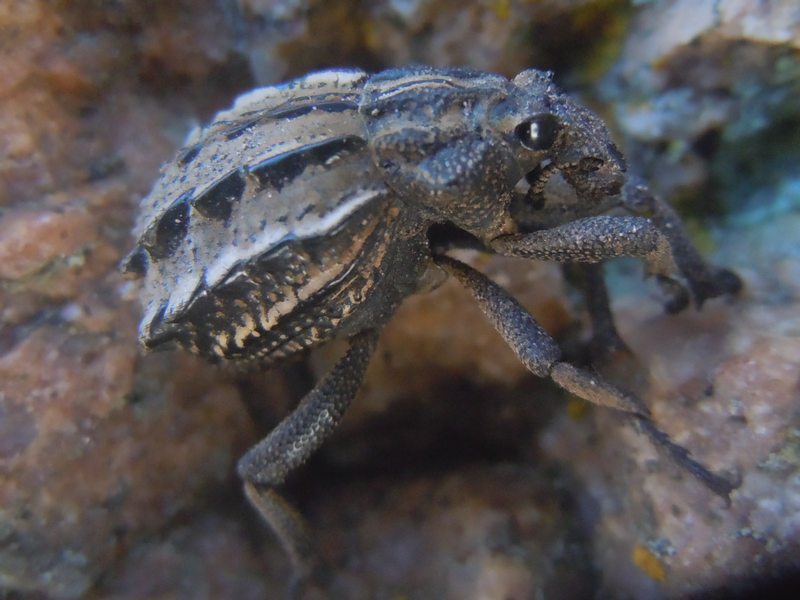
(705, 281)
(594, 239)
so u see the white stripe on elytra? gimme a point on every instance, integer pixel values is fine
(310, 226)
(321, 82)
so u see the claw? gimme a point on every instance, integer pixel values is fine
(677, 294)
(722, 282)
(728, 282)
(718, 484)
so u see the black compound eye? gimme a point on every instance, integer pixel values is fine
(539, 132)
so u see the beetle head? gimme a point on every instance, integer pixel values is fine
(551, 133)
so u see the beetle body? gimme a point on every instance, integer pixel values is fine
(310, 209)
(301, 213)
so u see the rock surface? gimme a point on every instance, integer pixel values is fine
(457, 475)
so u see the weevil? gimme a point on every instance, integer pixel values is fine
(309, 210)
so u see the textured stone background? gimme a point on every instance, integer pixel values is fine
(457, 475)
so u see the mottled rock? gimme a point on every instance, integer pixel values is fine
(699, 85)
(290, 37)
(97, 448)
(93, 459)
(724, 382)
(116, 471)
(484, 532)
(207, 558)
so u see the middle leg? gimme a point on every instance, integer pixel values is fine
(542, 356)
(606, 340)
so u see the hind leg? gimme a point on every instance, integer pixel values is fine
(267, 464)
